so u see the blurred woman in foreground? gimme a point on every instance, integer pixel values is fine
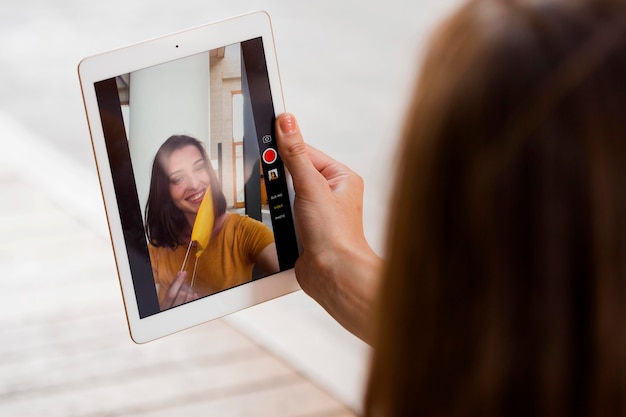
(503, 292)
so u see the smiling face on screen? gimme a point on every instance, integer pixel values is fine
(188, 179)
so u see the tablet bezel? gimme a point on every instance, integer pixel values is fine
(148, 54)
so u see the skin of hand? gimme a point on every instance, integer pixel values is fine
(179, 292)
(337, 267)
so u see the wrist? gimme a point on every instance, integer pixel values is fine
(346, 284)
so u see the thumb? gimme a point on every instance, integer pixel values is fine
(292, 148)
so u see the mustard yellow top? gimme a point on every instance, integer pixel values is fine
(227, 261)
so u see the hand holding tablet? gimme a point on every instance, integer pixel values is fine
(204, 222)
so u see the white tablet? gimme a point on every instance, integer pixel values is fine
(198, 203)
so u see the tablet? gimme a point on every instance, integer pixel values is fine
(198, 202)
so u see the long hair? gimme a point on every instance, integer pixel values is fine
(166, 223)
(504, 292)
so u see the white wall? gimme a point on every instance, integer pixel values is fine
(163, 103)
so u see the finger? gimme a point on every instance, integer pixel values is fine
(304, 162)
(320, 160)
(292, 148)
(191, 296)
(183, 296)
(174, 289)
(327, 166)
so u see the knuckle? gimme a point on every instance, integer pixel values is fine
(296, 149)
(357, 180)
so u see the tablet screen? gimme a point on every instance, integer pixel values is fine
(177, 133)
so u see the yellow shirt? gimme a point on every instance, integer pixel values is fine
(227, 261)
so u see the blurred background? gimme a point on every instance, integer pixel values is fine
(348, 69)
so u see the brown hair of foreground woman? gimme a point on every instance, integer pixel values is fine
(504, 292)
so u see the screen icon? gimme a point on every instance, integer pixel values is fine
(272, 174)
(270, 156)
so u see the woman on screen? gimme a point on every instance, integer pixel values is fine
(181, 175)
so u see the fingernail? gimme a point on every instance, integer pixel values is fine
(288, 124)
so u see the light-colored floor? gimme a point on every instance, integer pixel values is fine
(65, 349)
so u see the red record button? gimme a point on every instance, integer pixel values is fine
(270, 156)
